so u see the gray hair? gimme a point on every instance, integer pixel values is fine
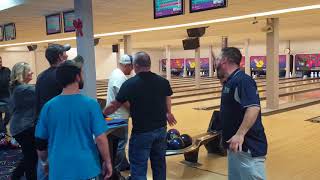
(142, 59)
(19, 72)
(232, 54)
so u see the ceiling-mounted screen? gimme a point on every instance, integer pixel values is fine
(53, 24)
(9, 32)
(166, 8)
(202, 5)
(68, 18)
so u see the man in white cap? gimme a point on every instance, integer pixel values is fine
(117, 78)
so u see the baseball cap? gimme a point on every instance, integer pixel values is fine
(53, 51)
(125, 59)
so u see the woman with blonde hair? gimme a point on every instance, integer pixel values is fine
(22, 123)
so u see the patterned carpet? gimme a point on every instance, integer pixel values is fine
(8, 161)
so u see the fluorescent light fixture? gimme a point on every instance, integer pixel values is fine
(234, 18)
(6, 4)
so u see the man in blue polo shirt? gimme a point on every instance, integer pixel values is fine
(243, 132)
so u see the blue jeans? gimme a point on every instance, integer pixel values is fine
(41, 175)
(144, 145)
(121, 159)
(242, 166)
(4, 109)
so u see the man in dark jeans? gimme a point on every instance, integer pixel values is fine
(47, 86)
(4, 98)
(150, 109)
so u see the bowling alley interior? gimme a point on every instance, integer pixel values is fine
(280, 46)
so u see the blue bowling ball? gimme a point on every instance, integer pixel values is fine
(187, 140)
(172, 133)
(175, 144)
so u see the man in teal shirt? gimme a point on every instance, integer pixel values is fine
(65, 131)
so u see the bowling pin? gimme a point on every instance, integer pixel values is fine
(319, 74)
(290, 74)
(312, 75)
(315, 74)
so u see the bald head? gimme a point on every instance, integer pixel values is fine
(141, 62)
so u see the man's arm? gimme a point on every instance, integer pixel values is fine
(249, 119)
(170, 118)
(126, 105)
(103, 146)
(112, 107)
(248, 96)
(42, 150)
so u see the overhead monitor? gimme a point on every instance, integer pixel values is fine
(202, 5)
(53, 24)
(68, 18)
(9, 31)
(166, 8)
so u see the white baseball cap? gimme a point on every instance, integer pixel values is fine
(125, 59)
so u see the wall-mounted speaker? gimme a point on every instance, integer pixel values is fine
(196, 32)
(96, 41)
(32, 47)
(115, 48)
(191, 43)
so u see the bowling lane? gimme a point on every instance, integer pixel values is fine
(216, 89)
(196, 93)
(262, 94)
(184, 87)
(101, 89)
(295, 97)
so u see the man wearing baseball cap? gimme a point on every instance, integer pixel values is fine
(117, 78)
(47, 86)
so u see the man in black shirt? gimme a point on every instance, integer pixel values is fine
(4, 97)
(47, 86)
(150, 109)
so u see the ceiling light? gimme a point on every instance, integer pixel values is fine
(227, 19)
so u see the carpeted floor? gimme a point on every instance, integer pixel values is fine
(8, 161)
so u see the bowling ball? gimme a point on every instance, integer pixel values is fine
(172, 133)
(175, 144)
(187, 140)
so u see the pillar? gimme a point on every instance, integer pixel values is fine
(127, 45)
(118, 54)
(85, 45)
(197, 68)
(184, 67)
(272, 89)
(287, 52)
(210, 61)
(247, 57)
(168, 63)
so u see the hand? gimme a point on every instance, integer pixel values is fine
(106, 170)
(46, 168)
(235, 143)
(171, 120)
(105, 111)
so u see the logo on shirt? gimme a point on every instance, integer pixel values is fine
(226, 90)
